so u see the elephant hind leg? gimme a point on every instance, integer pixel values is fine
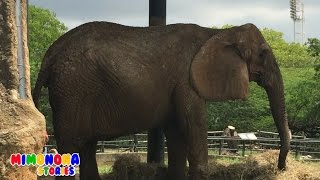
(65, 146)
(88, 163)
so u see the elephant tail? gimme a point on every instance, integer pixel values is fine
(41, 81)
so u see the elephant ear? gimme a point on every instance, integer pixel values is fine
(218, 72)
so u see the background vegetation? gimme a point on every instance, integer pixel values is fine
(300, 67)
(44, 28)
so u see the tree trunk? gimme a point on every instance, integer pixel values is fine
(22, 127)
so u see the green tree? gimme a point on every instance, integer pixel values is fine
(226, 26)
(314, 50)
(303, 100)
(311, 120)
(314, 46)
(44, 29)
(287, 54)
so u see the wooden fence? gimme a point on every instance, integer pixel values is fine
(300, 146)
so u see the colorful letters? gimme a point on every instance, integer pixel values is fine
(48, 164)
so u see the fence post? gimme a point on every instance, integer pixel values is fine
(220, 146)
(297, 150)
(304, 136)
(135, 143)
(243, 148)
(102, 146)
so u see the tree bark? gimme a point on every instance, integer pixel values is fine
(22, 127)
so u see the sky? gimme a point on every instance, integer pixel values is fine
(273, 14)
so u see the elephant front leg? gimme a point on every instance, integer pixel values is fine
(198, 153)
(192, 115)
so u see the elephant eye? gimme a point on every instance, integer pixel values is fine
(262, 56)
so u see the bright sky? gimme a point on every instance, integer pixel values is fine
(273, 14)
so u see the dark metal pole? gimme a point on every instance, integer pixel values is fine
(157, 17)
(157, 12)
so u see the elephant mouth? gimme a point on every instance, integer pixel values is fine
(257, 77)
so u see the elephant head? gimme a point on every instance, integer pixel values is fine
(225, 64)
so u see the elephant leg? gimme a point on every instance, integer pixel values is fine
(192, 114)
(63, 138)
(198, 153)
(177, 153)
(88, 163)
(65, 146)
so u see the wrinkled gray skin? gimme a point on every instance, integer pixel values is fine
(107, 80)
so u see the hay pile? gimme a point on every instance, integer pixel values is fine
(130, 167)
(264, 167)
(258, 167)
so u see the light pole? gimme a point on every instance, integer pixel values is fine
(297, 15)
(293, 15)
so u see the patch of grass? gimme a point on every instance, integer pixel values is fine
(105, 169)
(228, 161)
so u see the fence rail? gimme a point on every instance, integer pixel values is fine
(300, 146)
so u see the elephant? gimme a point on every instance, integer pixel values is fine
(107, 80)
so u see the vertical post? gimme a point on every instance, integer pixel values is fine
(135, 143)
(28, 32)
(21, 66)
(302, 22)
(155, 146)
(102, 146)
(297, 150)
(157, 17)
(294, 30)
(243, 148)
(157, 12)
(220, 146)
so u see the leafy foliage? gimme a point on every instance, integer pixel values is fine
(314, 50)
(303, 100)
(314, 46)
(311, 120)
(287, 54)
(44, 29)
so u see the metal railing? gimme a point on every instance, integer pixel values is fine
(300, 146)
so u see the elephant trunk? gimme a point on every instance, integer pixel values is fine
(275, 91)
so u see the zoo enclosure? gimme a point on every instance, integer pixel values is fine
(300, 146)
